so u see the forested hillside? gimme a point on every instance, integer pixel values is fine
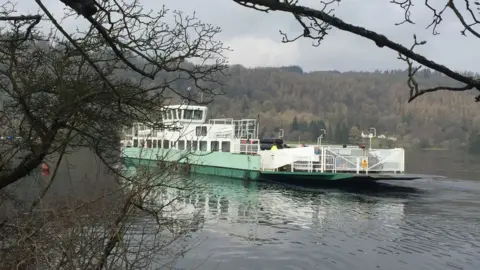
(344, 104)
(302, 103)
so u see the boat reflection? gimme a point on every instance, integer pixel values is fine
(222, 202)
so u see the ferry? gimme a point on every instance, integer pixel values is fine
(189, 142)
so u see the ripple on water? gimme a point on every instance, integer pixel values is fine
(270, 227)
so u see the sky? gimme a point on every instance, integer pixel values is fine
(255, 40)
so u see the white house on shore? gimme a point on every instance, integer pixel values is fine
(381, 136)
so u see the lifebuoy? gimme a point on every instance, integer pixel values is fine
(45, 169)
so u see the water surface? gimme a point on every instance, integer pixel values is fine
(425, 224)
(431, 223)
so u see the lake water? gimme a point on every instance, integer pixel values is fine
(433, 223)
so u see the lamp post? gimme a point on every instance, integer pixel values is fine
(372, 135)
(185, 101)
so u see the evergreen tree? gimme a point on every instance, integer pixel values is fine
(474, 143)
(313, 129)
(302, 126)
(321, 125)
(330, 136)
(345, 132)
(338, 133)
(354, 135)
(294, 124)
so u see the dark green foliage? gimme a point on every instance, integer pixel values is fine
(474, 143)
(342, 100)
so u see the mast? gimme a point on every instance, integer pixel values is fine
(258, 125)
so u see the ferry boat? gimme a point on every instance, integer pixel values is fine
(231, 148)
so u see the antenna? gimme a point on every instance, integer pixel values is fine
(185, 100)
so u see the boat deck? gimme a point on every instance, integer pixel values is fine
(316, 178)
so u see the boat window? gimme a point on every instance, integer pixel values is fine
(188, 114)
(149, 143)
(169, 114)
(174, 113)
(180, 114)
(203, 146)
(189, 145)
(226, 146)
(201, 131)
(181, 145)
(154, 144)
(197, 115)
(142, 143)
(214, 146)
(166, 144)
(194, 146)
(135, 143)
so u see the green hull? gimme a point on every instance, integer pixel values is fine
(215, 163)
(225, 172)
(199, 169)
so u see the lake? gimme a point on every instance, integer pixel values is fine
(425, 224)
(431, 223)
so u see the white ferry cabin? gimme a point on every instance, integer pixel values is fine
(187, 128)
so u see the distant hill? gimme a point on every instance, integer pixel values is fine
(344, 104)
(339, 101)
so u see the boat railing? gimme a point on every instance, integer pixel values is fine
(305, 163)
(245, 128)
(391, 160)
(246, 146)
(221, 121)
(336, 160)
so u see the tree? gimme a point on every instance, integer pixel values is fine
(99, 64)
(344, 133)
(64, 92)
(317, 128)
(316, 23)
(355, 134)
(295, 125)
(474, 143)
(338, 133)
(330, 135)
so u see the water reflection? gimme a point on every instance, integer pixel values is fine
(251, 225)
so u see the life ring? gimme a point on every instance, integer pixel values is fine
(45, 169)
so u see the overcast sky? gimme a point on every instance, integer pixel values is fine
(255, 39)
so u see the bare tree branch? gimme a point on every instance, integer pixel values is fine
(328, 20)
(62, 92)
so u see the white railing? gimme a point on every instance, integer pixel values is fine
(221, 121)
(305, 163)
(328, 159)
(246, 147)
(245, 128)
